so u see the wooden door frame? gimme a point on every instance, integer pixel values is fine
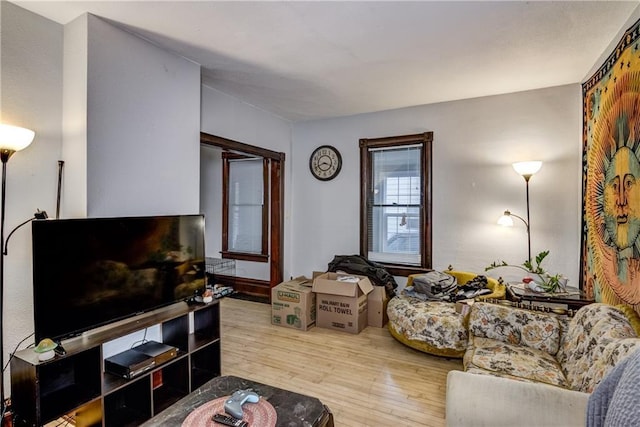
(276, 216)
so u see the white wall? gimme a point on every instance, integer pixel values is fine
(131, 129)
(211, 198)
(31, 82)
(614, 42)
(143, 133)
(74, 120)
(131, 125)
(227, 117)
(475, 142)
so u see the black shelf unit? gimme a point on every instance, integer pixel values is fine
(130, 405)
(76, 386)
(170, 384)
(202, 370)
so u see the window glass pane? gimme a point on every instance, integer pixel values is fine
(396, 175)
(245, 205)
(394, 219)
(245, 182)
(245, 229)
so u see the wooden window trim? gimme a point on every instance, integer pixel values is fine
(276, 225)
(244, 256)
(239, 147)
(426, 140)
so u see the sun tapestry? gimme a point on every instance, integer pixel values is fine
(610, 259)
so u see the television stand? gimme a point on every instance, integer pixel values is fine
(76, 386)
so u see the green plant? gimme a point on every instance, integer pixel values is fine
(549, 283)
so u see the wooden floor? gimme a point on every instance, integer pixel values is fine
(369, 379)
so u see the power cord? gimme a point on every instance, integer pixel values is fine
(142, 341)
(4, 368)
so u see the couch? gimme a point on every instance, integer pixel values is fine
(434, 327)
(523, 367)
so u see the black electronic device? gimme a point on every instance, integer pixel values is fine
(229, 421)
(88, 272)
(59, 350)
(129, 364)
(159, 351)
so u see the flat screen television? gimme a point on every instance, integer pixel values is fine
(92, 271)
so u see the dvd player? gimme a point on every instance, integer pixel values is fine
(160, 352)
(129, 364)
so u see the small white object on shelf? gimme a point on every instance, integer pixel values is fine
(45, 349)
(535, 287)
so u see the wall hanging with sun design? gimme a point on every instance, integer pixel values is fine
(610, 258)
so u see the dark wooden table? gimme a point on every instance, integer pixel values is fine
(573, 299)
(292, 409)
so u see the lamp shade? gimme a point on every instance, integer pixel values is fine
(14, 138)
(506, 220)
(527, 168)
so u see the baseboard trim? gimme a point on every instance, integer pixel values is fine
(245, 285)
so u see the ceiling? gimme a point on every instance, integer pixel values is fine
(318, 59)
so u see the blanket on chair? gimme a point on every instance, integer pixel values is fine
(616, 400)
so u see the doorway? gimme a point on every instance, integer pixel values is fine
(274, 219)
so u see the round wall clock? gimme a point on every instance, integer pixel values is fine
(325, 162)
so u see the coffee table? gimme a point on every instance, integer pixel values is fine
(292, 409)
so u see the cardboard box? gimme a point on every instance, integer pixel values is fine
(293, 304)
(377, 307)
(341, 305)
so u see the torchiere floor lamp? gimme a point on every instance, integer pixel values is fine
(527, 170)
(12, 139)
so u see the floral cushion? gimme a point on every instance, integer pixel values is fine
(537, 331)
(433, 322)
(594, 343)
(563, 321)
(520, 344)
(612, 354)
(512, 360)
(473, 370)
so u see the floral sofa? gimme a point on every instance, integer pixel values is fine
(536, 368)
(434, 327)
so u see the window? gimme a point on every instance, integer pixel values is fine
(245, 215)
(395, 217)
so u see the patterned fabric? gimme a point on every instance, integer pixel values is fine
(564, 322)
(433, 322)
(520, 344)
(612, 355)
(503, 359)
(585, 354)
(632, 315)
(537, 331)
(473, 370)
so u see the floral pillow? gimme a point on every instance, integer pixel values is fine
(515, 326)
(585, 354)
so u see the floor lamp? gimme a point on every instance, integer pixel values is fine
(527, 170)
(12, 139)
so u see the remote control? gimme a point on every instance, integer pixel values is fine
(233, 405)
(229, 421)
